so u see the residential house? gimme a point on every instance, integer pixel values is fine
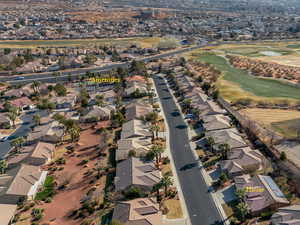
(134, 172)
(7, 213)
(21, 182)
(16, 93)
(140, 211)
(216, 122)
(261, 193)
(22, 103)
(132, 87)
(139, 146)
(137, 110)
(65, 102)
(241, 161)
(51, 132)
(97, 113)
(38, 154)
(209, 108)
(228, 136)
(135, 128)
(289, 215)
(136, 78)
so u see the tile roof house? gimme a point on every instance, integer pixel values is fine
(228, 136)
(262, 193)
(242, 160)
(209, 108)
(97, 113)
(22, 103)
(38, 154)
(140, 211)
(139, 146)
(136, 78)
(7, 213)
(135, 172)
(133, 86)
(135, 128)
(65, 102)
(21, 182)
(289, 215)
(137, 110)
(216, 122)
(51, 132)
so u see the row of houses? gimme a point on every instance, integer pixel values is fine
(133, 171)
(262, 193)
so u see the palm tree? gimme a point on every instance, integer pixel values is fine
(35, 86)
(74, 133)
(166, 181)
(156, 189)
(224, 148)
(210, 142)
(157, 150)
(242, 210)
(100, 100)
(37, 119)
(3, 166)
(17, 143)
(240, 194)
(13, 116)
(154, 129)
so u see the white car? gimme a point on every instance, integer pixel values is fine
(3, 139)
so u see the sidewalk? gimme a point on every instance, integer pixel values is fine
(207, 178)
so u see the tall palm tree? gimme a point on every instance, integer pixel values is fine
(166, 181)
(35, 86)
(3, 166)
(17, 143)
(224, 148)
(37, 119)
(242, 211)
(13, 116)
(154, 129)
(74, 133)
(157, 150)
(240, 194)
(210, 142)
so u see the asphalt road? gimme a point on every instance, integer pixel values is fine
(200, 205)
(22, 131)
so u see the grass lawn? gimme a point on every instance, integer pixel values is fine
(255, 51)
(259, 87)
(227, 209)
(293, 46)
(144, 42)
(174, 209)
(48, 189)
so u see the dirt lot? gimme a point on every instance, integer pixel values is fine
(68, 199)
(281, 121)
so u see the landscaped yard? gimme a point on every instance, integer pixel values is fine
(48, 189)
(236, 84)
(174, 209)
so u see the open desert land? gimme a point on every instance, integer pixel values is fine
(284, 122)
(236, 84)
(145, 42)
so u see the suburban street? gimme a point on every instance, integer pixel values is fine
(20, 132)
(200, 205)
